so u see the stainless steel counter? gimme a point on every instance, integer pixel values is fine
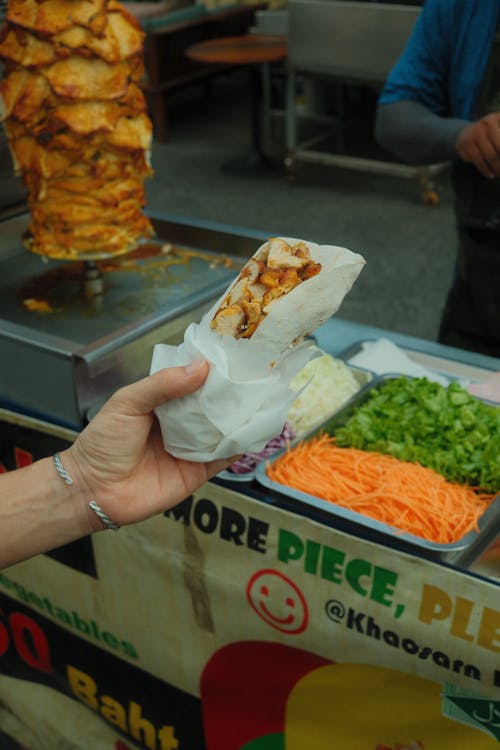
(62, 352)
(59, 365)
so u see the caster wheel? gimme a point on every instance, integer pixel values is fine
(430, 197)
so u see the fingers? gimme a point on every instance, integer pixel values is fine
(173, 382)
(490, 144)
(482, 163)
(485, 150)
(479, 144)
(214, 467)
(483, 154)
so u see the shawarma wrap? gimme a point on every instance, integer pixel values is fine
(254, 338)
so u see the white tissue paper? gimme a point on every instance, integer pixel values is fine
(246, 397)
(383, 356)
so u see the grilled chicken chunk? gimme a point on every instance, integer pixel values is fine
(229, 320)
(278, 269)
(281, 255)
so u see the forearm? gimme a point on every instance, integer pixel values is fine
(415, 134)
(119, 460)
(39, 511)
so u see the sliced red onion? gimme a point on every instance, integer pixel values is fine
(249, 461)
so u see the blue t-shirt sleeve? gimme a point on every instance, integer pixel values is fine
(422, 72)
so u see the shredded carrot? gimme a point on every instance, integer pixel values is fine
(402, 494)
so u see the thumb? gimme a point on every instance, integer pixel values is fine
(152, 391)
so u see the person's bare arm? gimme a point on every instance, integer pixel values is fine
(38, 512)
(118, 461)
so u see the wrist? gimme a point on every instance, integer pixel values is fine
(79, 488)
(94, 514)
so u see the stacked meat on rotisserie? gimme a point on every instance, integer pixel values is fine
(77, 125)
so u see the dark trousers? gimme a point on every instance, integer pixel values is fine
(471, 316)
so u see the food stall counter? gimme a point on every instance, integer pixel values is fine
(234, 622)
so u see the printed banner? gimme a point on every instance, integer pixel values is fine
(231, 624)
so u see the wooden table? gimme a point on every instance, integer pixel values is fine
(167, 69)
(258, 51)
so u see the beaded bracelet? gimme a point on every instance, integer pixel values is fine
(106, 520)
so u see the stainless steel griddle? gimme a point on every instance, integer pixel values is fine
(66, 344)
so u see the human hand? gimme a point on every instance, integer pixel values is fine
(119, 459)
(479, 144)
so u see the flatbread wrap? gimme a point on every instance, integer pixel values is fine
(254, 338)
(285, 291)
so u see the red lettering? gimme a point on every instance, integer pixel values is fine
(119, 745)
(22, 458)
(30, 641)
(4, 637)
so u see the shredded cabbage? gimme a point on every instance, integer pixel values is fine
(332, 384)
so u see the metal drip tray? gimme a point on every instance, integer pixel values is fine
(63, 351)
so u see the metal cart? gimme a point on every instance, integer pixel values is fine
(345, 43)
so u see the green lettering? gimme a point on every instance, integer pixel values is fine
(290, 546)
(129, 650)
(331, 564)
(35, 599)
(62, 615)
(21, 592)
(110, 639)
(355, 569)
(6, 581)
(313, 550)
(384, 582)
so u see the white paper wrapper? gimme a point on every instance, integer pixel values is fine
(383, 356)
(246, 397)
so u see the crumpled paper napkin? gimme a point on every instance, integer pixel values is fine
(243, 402)
(383, 356)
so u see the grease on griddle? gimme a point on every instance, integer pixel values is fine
(39, 305)
(54, 290)
(61, 288)
(167, 255)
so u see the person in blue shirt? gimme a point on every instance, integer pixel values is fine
(441, 102)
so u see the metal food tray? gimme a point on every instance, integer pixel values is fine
(462, 552)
